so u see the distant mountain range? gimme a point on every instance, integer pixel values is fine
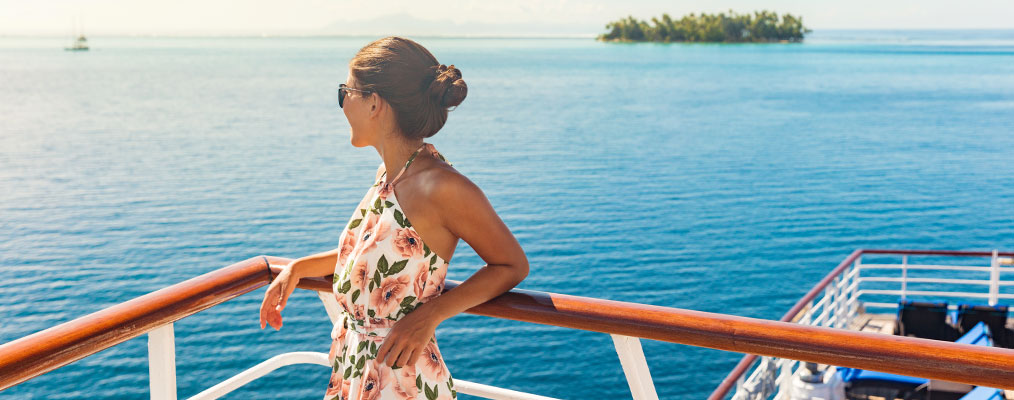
(405, 24)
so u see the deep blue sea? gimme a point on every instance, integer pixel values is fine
(720, 178)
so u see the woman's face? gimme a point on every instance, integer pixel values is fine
(357, 109)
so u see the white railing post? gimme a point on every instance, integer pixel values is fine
(853, 290)
(994, 279)
(825, 311)
(635, 367)
(858, 265)
(162, 362)
(843, 302)
(835, 306)
(833, 303)
(784, 380)
(904, 275)
(807, 316)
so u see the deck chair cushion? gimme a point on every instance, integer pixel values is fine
(983, 393)
(979, 335)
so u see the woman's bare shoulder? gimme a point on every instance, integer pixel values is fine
(467, 213)
(445, 181)
(458, 196)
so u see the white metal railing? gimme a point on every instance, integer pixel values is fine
(162, 367)
(841, 302)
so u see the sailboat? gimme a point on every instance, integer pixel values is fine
(80, 43)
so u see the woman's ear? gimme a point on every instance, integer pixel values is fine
(376, 105)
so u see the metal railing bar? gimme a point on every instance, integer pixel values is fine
(263, 368)
(935, 267)
(929, 280)
(926, 293)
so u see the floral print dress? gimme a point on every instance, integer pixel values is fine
(384, 271)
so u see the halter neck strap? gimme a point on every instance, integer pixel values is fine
(425, 145)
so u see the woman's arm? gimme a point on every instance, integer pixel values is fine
(281, 287)
(469, 215)
(315, 265)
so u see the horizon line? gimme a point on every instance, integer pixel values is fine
(427, 35)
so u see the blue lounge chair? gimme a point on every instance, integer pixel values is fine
(994, 316)
(924, 319)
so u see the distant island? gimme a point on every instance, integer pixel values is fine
(762, 26)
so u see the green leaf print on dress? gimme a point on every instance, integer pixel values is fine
(386, 273)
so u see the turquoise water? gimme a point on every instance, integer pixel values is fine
(722, 178)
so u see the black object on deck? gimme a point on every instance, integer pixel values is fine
(925, 320)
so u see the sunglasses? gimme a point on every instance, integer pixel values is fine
(342, 88)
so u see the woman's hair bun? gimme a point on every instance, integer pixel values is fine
(447, 88)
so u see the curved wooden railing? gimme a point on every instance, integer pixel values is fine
(744, 364)
(44, 351)
(36, 354)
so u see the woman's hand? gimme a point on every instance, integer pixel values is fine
(277, 295)
(408, 338)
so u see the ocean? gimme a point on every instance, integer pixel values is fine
(722, 178)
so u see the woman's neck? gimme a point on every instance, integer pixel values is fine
(395, 153)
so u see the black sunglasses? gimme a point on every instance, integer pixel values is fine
(342, 88)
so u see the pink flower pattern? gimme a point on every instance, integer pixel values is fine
(377, 234)
(384, 272)
(392, 291)
(434, 284)
(407, 243)
(348, 244)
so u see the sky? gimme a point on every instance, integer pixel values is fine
(464, 17)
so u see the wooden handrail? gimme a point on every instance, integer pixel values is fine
(52, 348)
(726, 385)
(33, 355)
(934, 359)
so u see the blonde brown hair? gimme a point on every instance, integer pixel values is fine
(420, 90)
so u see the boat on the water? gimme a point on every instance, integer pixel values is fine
(80, 44)
(883, 324)
(78, 40)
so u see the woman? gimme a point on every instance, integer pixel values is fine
(389, 281)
